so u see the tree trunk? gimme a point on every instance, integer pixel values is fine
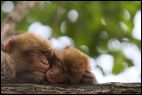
(106, 88)
(11, 20)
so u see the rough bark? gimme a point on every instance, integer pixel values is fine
(107, 88)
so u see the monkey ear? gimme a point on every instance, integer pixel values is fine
(9, 46)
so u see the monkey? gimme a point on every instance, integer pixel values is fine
(23, 53)
(25, 58)
(69, 66)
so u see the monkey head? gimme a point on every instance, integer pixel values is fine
(28, 52)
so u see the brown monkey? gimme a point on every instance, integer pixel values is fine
(69, 66)
(23, 53)
(24, 56)
(57, 73)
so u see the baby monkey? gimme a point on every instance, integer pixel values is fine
(71, 66)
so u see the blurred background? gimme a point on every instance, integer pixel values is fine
(108, 32)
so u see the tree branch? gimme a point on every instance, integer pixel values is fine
(107, 88)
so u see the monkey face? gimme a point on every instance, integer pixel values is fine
(39, 61)
(56, 75)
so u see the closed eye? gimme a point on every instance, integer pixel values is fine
(34, 52)
(37, 52)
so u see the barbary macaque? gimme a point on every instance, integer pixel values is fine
(24, 53)
(69, 66)
(27, 58)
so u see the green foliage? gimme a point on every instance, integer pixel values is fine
(98, 22)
